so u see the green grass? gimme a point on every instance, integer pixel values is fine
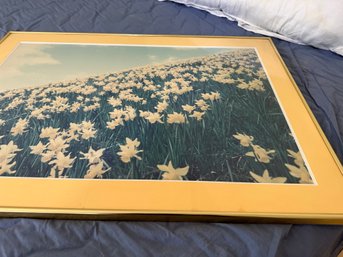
(207, 146)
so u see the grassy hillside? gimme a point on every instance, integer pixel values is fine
(213, 118)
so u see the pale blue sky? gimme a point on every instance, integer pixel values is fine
(37, 64)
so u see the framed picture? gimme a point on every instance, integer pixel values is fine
(155, 126)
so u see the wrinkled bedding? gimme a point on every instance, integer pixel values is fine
(310, 22)
(318, 73)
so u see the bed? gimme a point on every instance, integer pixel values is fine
(318, 73)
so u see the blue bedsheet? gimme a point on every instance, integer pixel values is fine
(318, 73)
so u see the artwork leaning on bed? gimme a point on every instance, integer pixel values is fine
(143, 112)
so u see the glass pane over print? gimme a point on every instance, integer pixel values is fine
(143, 112)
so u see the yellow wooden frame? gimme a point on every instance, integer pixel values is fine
(320, 203)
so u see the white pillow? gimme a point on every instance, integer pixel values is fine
(313, 22)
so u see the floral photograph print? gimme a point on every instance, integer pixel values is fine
(143, 112)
